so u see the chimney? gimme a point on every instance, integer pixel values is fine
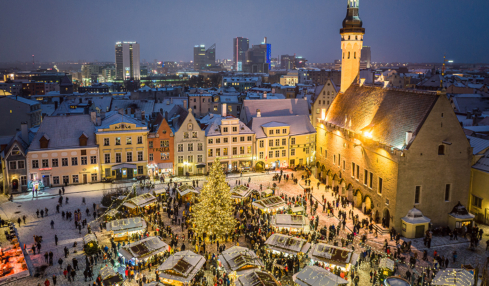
(409, 136)
(121, 111)
(258, 113)
(264, 95)
(143, 115)
(93, 117)
(185, 104)
(223, 110)
(362, 81)
(25, 132)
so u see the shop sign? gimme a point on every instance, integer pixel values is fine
(274, 148)
(163, 149)
(45, 169)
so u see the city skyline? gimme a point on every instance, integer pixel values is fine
(404, 33)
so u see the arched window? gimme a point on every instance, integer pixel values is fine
(348, 55)
(354, 55)
(441, 149)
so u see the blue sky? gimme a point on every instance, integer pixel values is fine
(397, 30)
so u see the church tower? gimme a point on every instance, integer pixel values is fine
(351, 45)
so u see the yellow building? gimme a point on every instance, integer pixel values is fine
(123, 146)
(283, 141)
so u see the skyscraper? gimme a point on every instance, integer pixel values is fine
(240, 46)
(351, 45)
(127, 60)
(258, 58)
(204, 58)
(366, 57)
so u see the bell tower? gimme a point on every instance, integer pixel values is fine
(351, 45)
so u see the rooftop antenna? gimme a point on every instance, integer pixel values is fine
(33, 63)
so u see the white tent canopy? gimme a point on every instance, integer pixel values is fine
(453, 277)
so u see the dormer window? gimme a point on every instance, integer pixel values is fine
(83, 139)
(44, 141)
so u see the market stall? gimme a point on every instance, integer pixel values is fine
(90, 244)
(160, 194)
(287, 245)
(414, 224)
(12, 261)
(453, 277)
(187, 192)
(317, 276)
(238, 260)
(180, 268)
(270, 204)
(257, 278)
(144, 250)
(299, 210)
(137, 204)
(154, 283)
(241, 192)
(386, 268)
(267, 193)
(396, 281)
(122, 229)
(291, 223)
(333, 257)
(459, 217)
(110, 277)
(112, 215)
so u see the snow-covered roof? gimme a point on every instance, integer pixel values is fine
(299, 124)
(478, 144)
(24, 100)
(116, 117)
(277, 107)
(415, 216)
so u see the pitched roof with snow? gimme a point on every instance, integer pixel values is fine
(387, 113)
(299, 124)
(116, 117)
(478, 144)
(275, 107)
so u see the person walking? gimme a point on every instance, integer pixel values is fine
(56, 239)
(52, 224)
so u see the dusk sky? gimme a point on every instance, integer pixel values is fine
(404, 31)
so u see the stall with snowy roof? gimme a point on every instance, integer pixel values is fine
(110, 277)
(317, 276)
(459, 217)
(187, 192)
(241, 192)
(90, 244)
(257, 278)
(239, 260)
(291, 223)
(154, 283)
(287, 245)
(122, 229)
(414, 224)
(386, 268)
(453, 277)
(333, 256)
(145, 250)
(270, 204)
(180, 268)
(396, 281)
(137, 204)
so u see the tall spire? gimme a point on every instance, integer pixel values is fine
(352, 21)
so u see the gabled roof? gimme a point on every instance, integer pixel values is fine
(64, 132)
(478, 144)
(30, 102)
(214, 126)
(387, 113)
(179, 114)
(119, 118)
(275, 107)
(65, 81)
(299, 124)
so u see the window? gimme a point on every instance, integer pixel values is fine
(417, 195)
(13, 165)
(241, 150)
(151, 157)
(21, 165)
(66, 179)
(260, 155)
(180, 147)
(365, 178)
(140, 155)
(165, 156)
(106, 141)
(75, 179)
(74, 161)
(277, 153)
(284, 142)
(118, 157)
(128, 140)
(194, 134)
(199, 158)
(35, 164)
(317, 109)
(307, 152)
(209, 152)
(277, 142)
(270, 154)
(380, 187)
(150, 144)
(140, 141)
(270, 132)
(292, 152)
(55, 180)
(284, 153)
(344, 165)
(83, 160)
(476, 201)
(441, 150)
(224, 151)
(235, 129)
(180, 159)
(248, 149)
(284, 131)
(190, 159)
(218, 152)
(358, 172)
(249, 138)
(164, 143)
(94, 177)
(325, 154)
(241, 139)
(277, 131)
(447, 192)
(190, 147)
(270, 143)
(225, 129)
(226, 140)
(129, 157)
(107, 158)
(200, 147)
(235, 150)
(93, 159)
(235, 139)
(118, 141)
(140, 170)
(292, 141)
(262, 144)
(371, 180)
(334, 160)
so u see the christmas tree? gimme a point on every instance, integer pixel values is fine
(214, 213)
